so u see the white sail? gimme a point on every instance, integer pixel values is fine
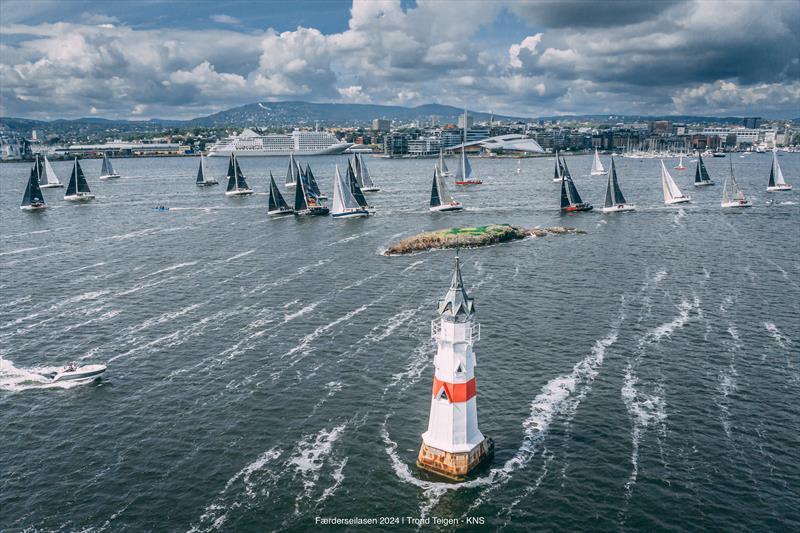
(671, 190)
(366, 180)
(442, 164)
(444, 194)
(343, 199)
(597, 165)
(50, 177)
(778, 172)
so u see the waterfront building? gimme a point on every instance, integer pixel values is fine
(453, 445)
(380, 124)
(424, 146)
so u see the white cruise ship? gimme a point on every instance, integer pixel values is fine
(250, 143)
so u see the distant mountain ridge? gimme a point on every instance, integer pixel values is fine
(309, 114)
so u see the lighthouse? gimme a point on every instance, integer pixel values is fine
(453, 445)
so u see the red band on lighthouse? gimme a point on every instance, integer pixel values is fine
(456, 392)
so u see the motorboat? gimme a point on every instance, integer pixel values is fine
(74, 372)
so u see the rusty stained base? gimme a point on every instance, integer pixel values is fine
(455, 466)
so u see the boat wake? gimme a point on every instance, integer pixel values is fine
(15, 379)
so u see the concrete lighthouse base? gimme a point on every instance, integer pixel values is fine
(454, 465)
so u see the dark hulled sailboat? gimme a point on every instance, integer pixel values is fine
(701, 177)
(277, 205)
(33, 199)
(570, 199)
(305, 201)
(77, 188)
(237, 185)
(614, 200)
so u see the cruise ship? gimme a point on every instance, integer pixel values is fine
(250, 143)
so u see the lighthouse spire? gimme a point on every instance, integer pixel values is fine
(456, 305)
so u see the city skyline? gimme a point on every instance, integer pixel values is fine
(159, 60)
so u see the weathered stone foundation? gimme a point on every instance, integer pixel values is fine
(455, 466)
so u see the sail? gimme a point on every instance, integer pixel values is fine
(609, 198)
(201, 172)
(300, 201)
(312, 183)
(276, 200)
(442, 164)
(444, 194)
(72, 186)
(703, 172)
(737, 192)
(231, 175)
(564, 195)
(558, 170)
(357, 170)
(38, 169)
(49, 177)
(435, 199)
(240, 181)
(617, 193)
(573, 192)
(343, 198)
(597, 165)
(354, 187)
(366, 179)
(698, 177)
(670, 189)
(464, 170)
(108, 169)
(291, 172)
(33, 194)
(776, 169)
(82, 185)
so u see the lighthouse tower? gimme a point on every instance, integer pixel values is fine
(453, 444)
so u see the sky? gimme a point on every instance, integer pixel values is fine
(188, 58)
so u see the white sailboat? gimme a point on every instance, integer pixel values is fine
(463, 175)
(204, 179)
(345, 204)
(597, 165)
(48, 178)
(776, 180)
(441, 200)
(292, 172)
(107, 172)
(680, 164)
(732, 195)
(77, 188)
(362, 175)
(443, 165)
(615, 201)
(237, 186)
(672, 194)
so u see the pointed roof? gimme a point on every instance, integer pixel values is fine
(456, 305)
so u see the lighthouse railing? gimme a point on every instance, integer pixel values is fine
(468, 332)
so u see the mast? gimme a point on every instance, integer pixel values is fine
(201, 175)
(464, 171)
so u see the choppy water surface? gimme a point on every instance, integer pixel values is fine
(644, 376)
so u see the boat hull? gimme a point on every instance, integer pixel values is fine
(79, 198)
(331, 150)
(598, 173)
(779, 188)
(280, 212)
(51, 185)
(447, 207)
(681, 200)
(32, 207)
(88, 372)
(577, 208)
(207, 183)
(358, 213)
(703, 183)
(737, 203)
(313, 211)
(110, 177)
(619, 208)
(370, 189)
(469, 182)
(241, 192)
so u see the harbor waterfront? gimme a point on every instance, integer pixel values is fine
(275, 373)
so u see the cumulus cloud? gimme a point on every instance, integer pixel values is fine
(688, 56)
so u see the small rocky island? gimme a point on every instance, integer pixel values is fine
(470, 237)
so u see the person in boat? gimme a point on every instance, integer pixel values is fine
(72, 367)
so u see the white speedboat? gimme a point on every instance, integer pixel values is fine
(73, 372)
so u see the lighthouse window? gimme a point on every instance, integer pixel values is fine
(459, 369)
(442, 394)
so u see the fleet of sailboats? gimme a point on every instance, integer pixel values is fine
(571, 201)
(672, 194)
(108, 172)
(33, 199)
(732, 195)
(204, 179)
(441, 199)
(597, 165)
(237, 185)
(48, 178)
(701, 177)
(614, 201)
(345, 205)
(277, 205)
(777, 182)
(77, 188)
